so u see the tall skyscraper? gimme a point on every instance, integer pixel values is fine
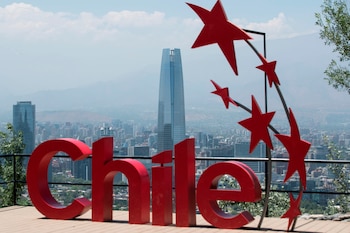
(171, 106)
(24, 121)
(241, 149)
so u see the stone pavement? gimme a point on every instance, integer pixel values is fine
(28, 219)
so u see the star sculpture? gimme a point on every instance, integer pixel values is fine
(217, 29)
(297, 150)
(224, 94)
(294, 209)
(269, 69)
(258, 126)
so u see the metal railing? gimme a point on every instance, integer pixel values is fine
(207, 160)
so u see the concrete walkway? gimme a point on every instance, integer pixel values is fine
(28, 219)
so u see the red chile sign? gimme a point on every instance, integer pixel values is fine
(104, 168)
(216, 30)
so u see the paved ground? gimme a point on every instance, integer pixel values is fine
(28, 219)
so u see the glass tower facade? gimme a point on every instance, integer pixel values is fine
(24, 121)
(171, 105)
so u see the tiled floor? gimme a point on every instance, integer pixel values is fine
(28, 219)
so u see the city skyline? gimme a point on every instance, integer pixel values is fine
(135, 90)
(121, 68)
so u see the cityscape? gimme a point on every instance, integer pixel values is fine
(143, 139)
(222, 114)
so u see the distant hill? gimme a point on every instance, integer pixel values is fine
(71, 116)
(135, 95)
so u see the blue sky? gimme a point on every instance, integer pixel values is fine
(300, 13)
(253, 9)
(63, 44)
(47, 37)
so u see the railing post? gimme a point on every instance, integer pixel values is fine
(14, 179)
(267, 178)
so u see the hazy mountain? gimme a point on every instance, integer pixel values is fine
(300, 65)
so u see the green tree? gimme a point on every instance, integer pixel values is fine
(11, 168)
(278, 201)
(340, 204)
(335, 31)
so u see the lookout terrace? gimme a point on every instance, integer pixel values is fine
(28, 219)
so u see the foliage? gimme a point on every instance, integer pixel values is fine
(312, 207)
(61, 178)
(11, 168)
(278, 204)
(67, 188)
(340, 204)
(278, 201)
(11, 143)
(335, 31)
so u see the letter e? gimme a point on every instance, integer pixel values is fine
(208, 194)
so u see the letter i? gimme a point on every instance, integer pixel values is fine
(162, 208)
(185, 183)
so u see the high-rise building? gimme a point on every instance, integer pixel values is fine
(171, 106)
(241, 149)
(24, 121)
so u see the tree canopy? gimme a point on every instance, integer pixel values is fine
(11, 167)
(11, 143)
(334, 21)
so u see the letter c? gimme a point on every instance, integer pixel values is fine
(37, 181)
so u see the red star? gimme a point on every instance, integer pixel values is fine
(269, 69)
(223, 93)
(297, 150)
(294, 209)
(258, 126)
(217, 29)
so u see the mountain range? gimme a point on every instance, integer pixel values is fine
(301, 73)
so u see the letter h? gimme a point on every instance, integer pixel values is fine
(104, 168)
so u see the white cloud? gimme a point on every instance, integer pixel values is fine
(30, 22)
(20, 19)
(133, 18)
(276, 28)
